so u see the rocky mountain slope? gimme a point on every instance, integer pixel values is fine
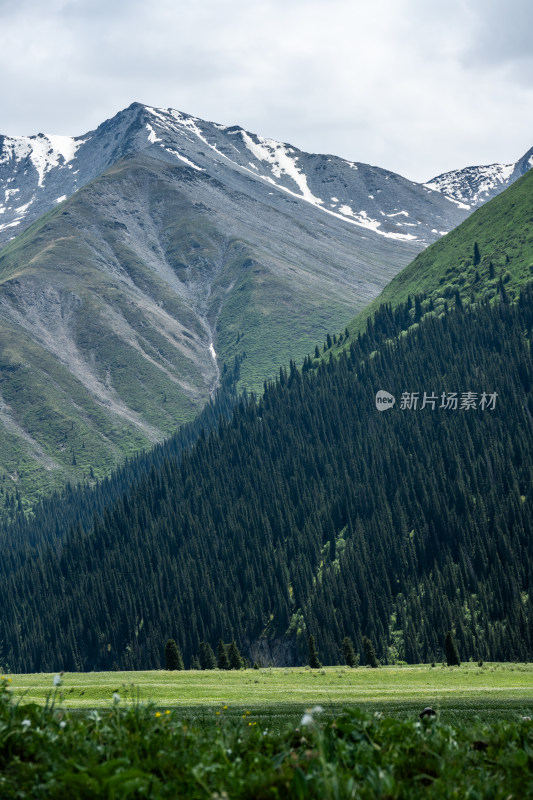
(38, 172)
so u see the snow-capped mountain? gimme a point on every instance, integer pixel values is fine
(473, 186)
(160, 249)
(38, 172)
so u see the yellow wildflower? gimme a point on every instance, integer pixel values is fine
(158, 713)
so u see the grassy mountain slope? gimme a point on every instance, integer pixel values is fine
(503, 231)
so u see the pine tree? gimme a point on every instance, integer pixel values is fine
(222, 656)
(235, 658)
(477, 255)
(314, 661)
(173, 657)
(370, 653)
(349, 653)
(450, 648)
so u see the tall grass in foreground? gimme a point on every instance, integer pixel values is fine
(136, 750)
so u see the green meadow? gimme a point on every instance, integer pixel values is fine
(491, 691)
(270, 733)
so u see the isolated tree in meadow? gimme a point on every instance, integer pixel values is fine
(173, 657)
(349, 653)
(314, 661)
(222, 656)
(370, 653)
(207, 657)
(234, 656)
(450, 648)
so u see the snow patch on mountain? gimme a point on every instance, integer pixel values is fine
(279, 157)
(152, 136)
(185, 160)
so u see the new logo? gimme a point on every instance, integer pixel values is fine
(384, 400)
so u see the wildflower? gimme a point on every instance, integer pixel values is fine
(225, 708)
(307, 719)
(157, 713)
(116, 697)
(217, 713)
(63, 724)
(57, 680)
(26, 723)
(9, 680)
(167, 711)
(317, 710)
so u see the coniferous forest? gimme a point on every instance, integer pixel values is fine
(307, 512)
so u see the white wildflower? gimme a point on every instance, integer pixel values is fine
(57, 680)
(116, 697)
(307, 719)
(26, 723)
(317, 710)
(63, 724)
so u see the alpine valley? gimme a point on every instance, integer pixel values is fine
(298, 508)
(146, 260)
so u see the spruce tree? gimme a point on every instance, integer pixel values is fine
(207, 657)
(477, 255)
(235, 658)
(370, 653)
(450, 648)
(222, 656)
(349, 653)
(173, 657)
(314, 661)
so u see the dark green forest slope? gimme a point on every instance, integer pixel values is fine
(312, 512)
(490, 249)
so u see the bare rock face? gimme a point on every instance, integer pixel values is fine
(274, 652)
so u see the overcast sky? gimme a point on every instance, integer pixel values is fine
(416, 86)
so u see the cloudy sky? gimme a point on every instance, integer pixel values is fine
(416, 86)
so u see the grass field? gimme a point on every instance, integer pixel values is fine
(243, 735)
(493, 691)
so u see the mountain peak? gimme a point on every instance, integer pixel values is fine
(473, 186)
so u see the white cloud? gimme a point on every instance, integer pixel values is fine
(414, 86)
